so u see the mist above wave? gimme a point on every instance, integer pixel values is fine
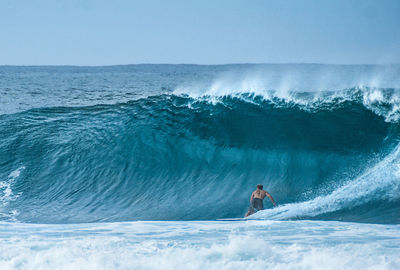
(24, 88)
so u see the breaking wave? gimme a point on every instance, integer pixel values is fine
(323, 155)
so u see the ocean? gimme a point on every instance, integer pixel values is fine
(152, 166)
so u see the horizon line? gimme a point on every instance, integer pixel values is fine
(195, 64)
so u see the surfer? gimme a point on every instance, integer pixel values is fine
(256, 200)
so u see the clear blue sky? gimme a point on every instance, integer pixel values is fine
(89, 32)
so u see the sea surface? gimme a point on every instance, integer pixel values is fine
(152, 166)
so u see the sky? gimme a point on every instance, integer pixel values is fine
(103, 32)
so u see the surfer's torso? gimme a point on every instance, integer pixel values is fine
(260, 194)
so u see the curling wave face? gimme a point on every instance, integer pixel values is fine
(330, 155)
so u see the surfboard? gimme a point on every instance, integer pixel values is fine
(231, 219)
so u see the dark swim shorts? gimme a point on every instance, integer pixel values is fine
(257, 204)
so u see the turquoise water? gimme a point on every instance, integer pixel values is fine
(130, 167)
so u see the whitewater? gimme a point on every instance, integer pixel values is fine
(152, 166)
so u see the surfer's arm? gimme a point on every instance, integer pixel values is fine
(270, 197)
(252, 196)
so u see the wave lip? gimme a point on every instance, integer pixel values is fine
(382, 101)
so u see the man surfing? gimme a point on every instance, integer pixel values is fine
(256, 200)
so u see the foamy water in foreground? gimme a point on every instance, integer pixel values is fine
(200, 245)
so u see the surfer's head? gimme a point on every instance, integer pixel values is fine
(259, 186)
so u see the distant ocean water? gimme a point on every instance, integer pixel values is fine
(135, 164)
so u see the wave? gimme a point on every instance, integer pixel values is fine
(178, 157)
(378, 184)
